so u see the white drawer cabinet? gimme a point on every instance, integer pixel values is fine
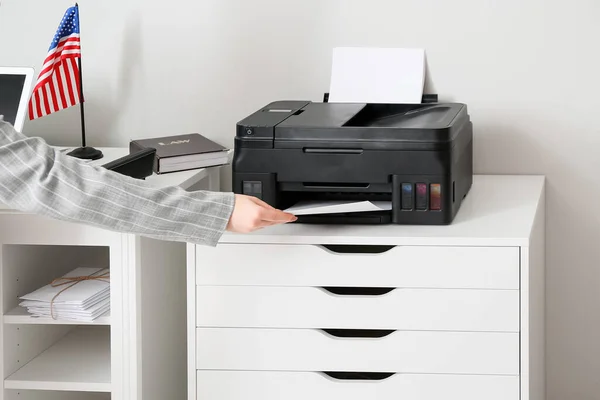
(399, 351)
(252, 385)
(359, 265)
(397, 308)
(377, 312)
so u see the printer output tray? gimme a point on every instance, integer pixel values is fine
(359, 218)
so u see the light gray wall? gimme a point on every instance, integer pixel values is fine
(529, 71)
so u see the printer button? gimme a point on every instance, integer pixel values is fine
(252, 188)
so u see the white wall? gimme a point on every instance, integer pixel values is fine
(529, 71)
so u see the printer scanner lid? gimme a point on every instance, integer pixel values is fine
(292, 124)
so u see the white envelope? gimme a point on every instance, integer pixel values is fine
(81, 293)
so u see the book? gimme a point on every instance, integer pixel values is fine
(182, 152)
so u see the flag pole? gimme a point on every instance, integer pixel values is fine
(84, 152)
(81, 103)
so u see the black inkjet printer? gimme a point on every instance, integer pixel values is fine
(418, 156)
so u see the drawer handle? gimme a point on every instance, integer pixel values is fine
(357, 248)
(359, 333)
(358, 291)
(365, 376)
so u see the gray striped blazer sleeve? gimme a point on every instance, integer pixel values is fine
(36, 177)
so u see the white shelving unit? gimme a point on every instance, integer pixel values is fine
(135, 351)
(79, 361)
(19, 315)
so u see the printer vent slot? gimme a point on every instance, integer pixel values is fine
(338, 185)
(311, 150)
(453, 191)
(358, 248)
(364, 376)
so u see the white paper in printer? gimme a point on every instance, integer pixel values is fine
(377, 75)
(370, 75)
(334, 207)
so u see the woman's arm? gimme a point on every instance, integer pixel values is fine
(35, 177)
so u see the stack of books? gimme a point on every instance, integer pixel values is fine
(81, 295)
(182, 152)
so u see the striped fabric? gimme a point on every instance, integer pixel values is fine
(38, 178)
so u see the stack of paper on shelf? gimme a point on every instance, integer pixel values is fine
(81, 295)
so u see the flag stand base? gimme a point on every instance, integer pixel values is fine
(86, 153)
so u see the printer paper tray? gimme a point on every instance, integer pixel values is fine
(358, 218)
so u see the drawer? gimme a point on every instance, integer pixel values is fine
(316, 350)
(265, 385)
(370, 266)
(357, 308)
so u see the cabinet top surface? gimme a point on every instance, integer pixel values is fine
(498, 211)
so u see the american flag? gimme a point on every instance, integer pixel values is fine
(57, 86)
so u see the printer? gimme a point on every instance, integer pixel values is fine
(416, 157)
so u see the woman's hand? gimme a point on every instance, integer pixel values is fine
(250, 213)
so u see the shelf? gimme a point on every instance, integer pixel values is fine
(19, 394)
(80, 361)
(19, 315)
